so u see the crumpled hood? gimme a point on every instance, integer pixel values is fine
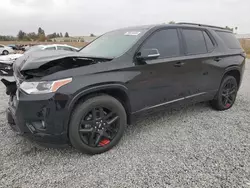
(9, 59)
(34, 60)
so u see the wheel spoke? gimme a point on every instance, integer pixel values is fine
(232, 91)
(106, 135)
(230, 100)
(87, 122)
(226, 100)
(224, 95)
(101, 112)
(98, 139)
(91, 138)
(113, 120)
(94, 114)
(87, 130)
(109, 115)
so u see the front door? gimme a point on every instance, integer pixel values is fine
(160, 80)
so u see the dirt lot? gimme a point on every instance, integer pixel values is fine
(190, 147)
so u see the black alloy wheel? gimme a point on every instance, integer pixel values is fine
(229, 92)
(99, 127)
(226, 95)
(97, 124)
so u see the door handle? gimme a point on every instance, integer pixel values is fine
(179, 64)
(217, 59)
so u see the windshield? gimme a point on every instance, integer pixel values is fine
(112, 44)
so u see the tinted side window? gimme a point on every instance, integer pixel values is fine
(68, 49)
(210, 45)
(50, 48)
(64, 48)
(229, 39)
(195, 41)
(165, 41)
(60, 48)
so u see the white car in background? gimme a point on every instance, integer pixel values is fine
(52, 47)
(6, 61)
(5, 50)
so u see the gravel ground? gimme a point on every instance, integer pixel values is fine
(191, 147)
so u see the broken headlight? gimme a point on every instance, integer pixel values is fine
(44, 86)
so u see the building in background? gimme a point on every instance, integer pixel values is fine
(243, 36)
(74, 39)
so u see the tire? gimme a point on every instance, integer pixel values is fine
(5, 52)
(83, 141)
(220, 102)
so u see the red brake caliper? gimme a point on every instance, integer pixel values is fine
(104, 142)
(228, 105)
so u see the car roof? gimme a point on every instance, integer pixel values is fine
(181, 24)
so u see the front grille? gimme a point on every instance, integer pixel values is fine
(3, 65)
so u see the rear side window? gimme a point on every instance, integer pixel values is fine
(229, 39)
(50, 48)
(210, 45)
(165, 41)
(195, 41)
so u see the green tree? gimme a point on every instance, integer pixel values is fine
(21, 35)
(92, 35)
(51, 36)
(7, 38)
(66, 34)
(61, 35)
(171, 22)
(41, 34)
(41, 38)
(41, 31)
(33, 36)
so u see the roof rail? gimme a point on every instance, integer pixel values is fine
(202, 25)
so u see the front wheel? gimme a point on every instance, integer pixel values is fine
(97, 124)
(226, 95)
(5, 52)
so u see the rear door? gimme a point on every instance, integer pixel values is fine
(198, 45)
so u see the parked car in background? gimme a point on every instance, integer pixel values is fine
(52, 47)
(13, 46)
(5, 50)
(6, 62)
(87, 98)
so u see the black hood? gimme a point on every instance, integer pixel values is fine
(39, 64)
(34, 60)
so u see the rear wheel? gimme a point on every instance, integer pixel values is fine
(5, 52)
(226, 95)
(97, 124)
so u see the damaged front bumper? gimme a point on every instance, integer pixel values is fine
(6, 69)
(39, 117)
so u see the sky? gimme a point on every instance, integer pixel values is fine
(82, 17)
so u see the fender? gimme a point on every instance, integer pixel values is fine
(233, 67)
(94, 89)
(87, 91)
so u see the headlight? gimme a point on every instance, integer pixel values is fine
(44, 86)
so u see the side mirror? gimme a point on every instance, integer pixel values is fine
(147, 54)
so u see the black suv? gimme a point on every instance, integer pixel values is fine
(88, 97)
